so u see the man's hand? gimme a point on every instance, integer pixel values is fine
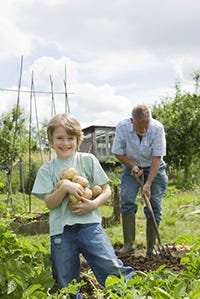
(146, 190)
(136, 171)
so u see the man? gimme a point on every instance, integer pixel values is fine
(140, 145)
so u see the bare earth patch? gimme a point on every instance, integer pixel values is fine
(140, 262)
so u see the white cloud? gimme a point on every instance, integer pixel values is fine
(92, 103)
(116, 52)
(13, 41)
(114, 63)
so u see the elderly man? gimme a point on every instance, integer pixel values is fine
(140, 145)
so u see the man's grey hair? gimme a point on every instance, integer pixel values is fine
(141, 112)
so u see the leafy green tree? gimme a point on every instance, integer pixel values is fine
(180, 118)
(11, 151)
(43, 135)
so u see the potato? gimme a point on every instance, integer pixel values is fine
(96, 190)
(57, 186)
(59, 183)
(68, 173)
(87, 193)
(80, 180)
(73, 199)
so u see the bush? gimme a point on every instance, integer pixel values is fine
(24, 268)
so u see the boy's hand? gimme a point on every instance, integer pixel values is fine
(83, 207)
(74, 188)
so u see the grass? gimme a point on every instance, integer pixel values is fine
(177, 220)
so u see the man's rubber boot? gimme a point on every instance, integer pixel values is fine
(150, 236)
(128, 224)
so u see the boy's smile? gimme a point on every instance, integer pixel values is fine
(65, 145)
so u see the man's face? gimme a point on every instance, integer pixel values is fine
(141, 126)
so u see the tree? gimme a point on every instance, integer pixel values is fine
(7, 130)
(180, 118)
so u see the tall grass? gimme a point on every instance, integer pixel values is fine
(179, 217)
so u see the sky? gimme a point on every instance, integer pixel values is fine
(111, 54)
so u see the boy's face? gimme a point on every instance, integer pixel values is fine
(64, 145)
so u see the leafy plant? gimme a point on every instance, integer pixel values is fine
(163, 283)
(182, 140)
(118, 287)
(24, 270)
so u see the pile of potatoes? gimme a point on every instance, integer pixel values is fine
(72, 175)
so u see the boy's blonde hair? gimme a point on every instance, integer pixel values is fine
(69, 123)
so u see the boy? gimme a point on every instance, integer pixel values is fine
(75, 228)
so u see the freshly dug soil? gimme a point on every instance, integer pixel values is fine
(171, 256)
(140, 262)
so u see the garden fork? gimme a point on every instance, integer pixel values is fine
(161, 248)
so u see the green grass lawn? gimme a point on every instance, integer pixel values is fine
(177, 219)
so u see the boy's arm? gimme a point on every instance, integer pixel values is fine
(103, 197)
(86, 206)
(54, 199)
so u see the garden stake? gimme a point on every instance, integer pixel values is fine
(160, 247)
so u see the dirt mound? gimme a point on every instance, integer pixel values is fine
(140, 262)
(171, 256)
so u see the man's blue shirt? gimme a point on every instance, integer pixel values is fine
(127, 142)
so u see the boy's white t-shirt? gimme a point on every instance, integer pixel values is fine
(49, 174)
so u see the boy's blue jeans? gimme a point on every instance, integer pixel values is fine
(92, 242)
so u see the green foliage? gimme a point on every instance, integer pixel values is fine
(41, 136)
(72, 289)
(114, 179)
(13, 124)
(3, 182)
(15, 183)
(29, 174)
(163, 283)
(118, 287)
(14, 146)
(177, 209)
(24, 269)
(180, 117)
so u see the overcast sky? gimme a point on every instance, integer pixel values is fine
(117, 53)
